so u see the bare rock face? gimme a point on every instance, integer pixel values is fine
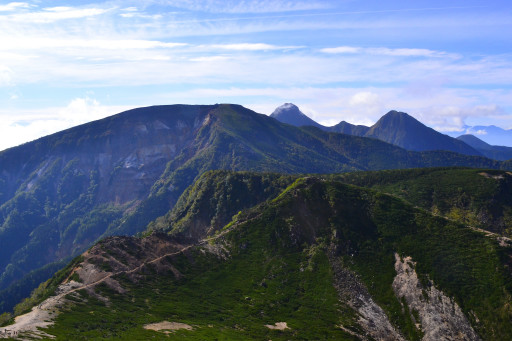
(371, 318)
(130, 256)
(440, 318)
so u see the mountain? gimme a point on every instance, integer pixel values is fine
(490, 134)
(404, 131)
(395, 127)
(349, 129)
(476, 197)
(492, 152)
(62, 193)
(289, 113)
(364, 264)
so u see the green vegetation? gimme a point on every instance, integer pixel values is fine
(224, 300)
(215, 198)
(279, 269)
(62, 193)
(21, 289)
(46, 289)
(475, 197)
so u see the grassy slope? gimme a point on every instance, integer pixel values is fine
(279, 270)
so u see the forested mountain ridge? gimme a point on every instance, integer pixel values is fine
(365, 264)
(62, 193)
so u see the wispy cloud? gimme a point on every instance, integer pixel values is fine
(37, 43)
(210, 58)
(53, 14)
(384, 51)
(12, 6)
(5, 75)
(336, 59)
(250, 47)
(245, 6)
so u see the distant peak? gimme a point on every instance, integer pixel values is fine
(395, 117)
(288, 105)
(289, 113)
(397, 113)
(287, 109)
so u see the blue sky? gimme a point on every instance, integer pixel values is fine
(447, 63)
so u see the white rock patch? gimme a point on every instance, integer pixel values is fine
(440, 317)
(167, 327)
(278, 326)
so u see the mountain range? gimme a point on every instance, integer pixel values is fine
(492, 152)
(402, 130)
(364, 263)
(147, 171)
(490, 134)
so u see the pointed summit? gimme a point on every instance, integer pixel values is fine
(407, 132)
(289, 113)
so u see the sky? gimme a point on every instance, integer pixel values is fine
(63, 63)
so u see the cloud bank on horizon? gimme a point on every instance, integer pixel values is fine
(63, 63)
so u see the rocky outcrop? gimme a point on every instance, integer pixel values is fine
(440, 317)
(371, 318)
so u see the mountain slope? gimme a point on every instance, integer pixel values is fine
(470, 196)
(215, 198)
(402, 130)
(62, 193)
(363, 264)
(480, 198)
(494, 152)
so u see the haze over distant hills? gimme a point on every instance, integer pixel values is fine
(490, 134)
(493, 152)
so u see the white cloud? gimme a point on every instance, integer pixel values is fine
(445, 110)
(250, 47)
(341, 49)
(247, 6)
(22, 126)
(53, 14)
(83, 110)
(480, 132)
(12, 6)
(364, 98)
(210, 58)
(5, 75)
(40, 43)
(384, 51)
